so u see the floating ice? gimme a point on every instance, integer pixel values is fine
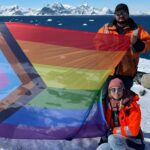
(84, 24)
(91, 20)
(60, 24)
(49, 20)
(31, 21)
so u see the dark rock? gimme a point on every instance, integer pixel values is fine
(137, 78)
(142, 92)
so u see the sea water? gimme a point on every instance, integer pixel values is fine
(90, 23)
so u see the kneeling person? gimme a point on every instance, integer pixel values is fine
(123, 116)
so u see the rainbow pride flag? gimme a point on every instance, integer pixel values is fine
(51, 79)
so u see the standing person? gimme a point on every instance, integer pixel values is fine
(140, 43)
(123, 117)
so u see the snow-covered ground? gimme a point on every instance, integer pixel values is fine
(144, 65)
(85, 144)
(144, 103)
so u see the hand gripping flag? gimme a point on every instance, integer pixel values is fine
(50, 80)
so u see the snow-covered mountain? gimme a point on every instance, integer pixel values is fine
(15, 10)
(54, 9)
(58, 9)
(62, 9)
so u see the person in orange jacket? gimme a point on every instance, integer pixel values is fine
(123, 116)
(140, 43)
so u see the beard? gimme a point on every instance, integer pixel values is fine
(122, 22)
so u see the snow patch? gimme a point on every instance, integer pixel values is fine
(144, 65)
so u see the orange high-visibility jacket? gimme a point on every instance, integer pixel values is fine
(128, 65)
(129, 118)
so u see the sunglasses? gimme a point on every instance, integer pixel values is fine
(116, 89)
(123, 13)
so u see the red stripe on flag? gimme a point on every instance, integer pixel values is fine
(69, 38)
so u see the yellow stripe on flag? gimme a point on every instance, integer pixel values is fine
(72, 78)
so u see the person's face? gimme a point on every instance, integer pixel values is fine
(121, 16)
(116, 92)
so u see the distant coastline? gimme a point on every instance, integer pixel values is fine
(73, 15)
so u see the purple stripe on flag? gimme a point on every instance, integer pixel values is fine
(24, 132)
(92, 126)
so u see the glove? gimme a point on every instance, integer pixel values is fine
(103, 139)
(138, 46)
(109, 132)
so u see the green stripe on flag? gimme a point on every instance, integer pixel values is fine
(64, 98)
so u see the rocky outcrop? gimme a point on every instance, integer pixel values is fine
(138, 77)
(145, 81)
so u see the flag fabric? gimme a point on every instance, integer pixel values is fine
(51, 79)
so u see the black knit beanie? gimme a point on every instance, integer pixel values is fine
(121, 7)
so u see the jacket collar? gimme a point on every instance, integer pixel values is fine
(128, 97)
(131, 25)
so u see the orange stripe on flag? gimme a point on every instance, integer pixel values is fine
(47, 54)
